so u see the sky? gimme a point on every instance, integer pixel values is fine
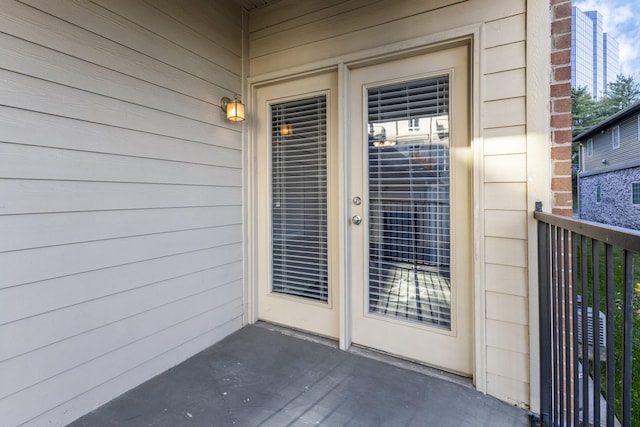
(619, 20)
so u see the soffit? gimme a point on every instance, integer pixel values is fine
(253, 4)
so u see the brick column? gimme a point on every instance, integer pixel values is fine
(561, 107)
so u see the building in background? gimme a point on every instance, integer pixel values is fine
(609, 178)
(594, 53)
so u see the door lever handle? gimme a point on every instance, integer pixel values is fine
(356, 220)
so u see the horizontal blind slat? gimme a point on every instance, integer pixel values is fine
(422, 98)
(409, 201)
(299, 200)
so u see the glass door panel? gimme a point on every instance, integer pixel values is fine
(299, 198)
(409, 242)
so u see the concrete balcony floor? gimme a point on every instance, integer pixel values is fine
(269, 376)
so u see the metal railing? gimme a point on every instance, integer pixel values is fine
(587, 310)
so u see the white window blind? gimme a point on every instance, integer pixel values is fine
(410, 100)
(299, 198)
(409, 243)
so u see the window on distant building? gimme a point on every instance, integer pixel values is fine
(635, 193)
(414, 125)
(598, 193)
(615, 137)
(589, 147)
(638, 128)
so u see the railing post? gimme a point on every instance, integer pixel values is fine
(574, 328)
(628, 338)
(544, 304)
(610, 331)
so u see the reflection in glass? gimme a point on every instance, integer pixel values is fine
(299, 198)
(409, 239)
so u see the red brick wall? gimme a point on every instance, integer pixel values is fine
(561, 106)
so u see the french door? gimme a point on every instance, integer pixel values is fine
(411, 230)
(297, 152)
(408, 182)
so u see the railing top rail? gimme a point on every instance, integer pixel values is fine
(616, 236)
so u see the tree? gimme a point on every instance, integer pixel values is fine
(583, 110)
(587, 112)
(622, 93)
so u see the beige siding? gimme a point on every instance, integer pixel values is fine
(296, 36)
(505, 169)
(121, 184)
(325, 32)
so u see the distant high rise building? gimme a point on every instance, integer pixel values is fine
(594, 53)
(611, 61)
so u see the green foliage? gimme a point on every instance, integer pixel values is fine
(588, 112)
(622, 93)
(584, 110)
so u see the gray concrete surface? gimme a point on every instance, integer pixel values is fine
(260, 376)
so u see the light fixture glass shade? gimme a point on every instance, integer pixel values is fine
(385, 143)
(286, 129)
(235, 111)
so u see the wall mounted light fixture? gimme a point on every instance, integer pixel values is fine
(234, 108)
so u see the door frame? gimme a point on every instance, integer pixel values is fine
(471, 36)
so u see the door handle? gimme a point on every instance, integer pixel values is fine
(356, 220)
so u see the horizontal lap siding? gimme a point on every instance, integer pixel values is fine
(603, 150)
(291, 35)
(330, 30)
(121, 196)
(505, 220)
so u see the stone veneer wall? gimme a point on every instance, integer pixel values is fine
(616, 207)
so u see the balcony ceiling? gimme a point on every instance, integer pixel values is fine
(253, 4)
